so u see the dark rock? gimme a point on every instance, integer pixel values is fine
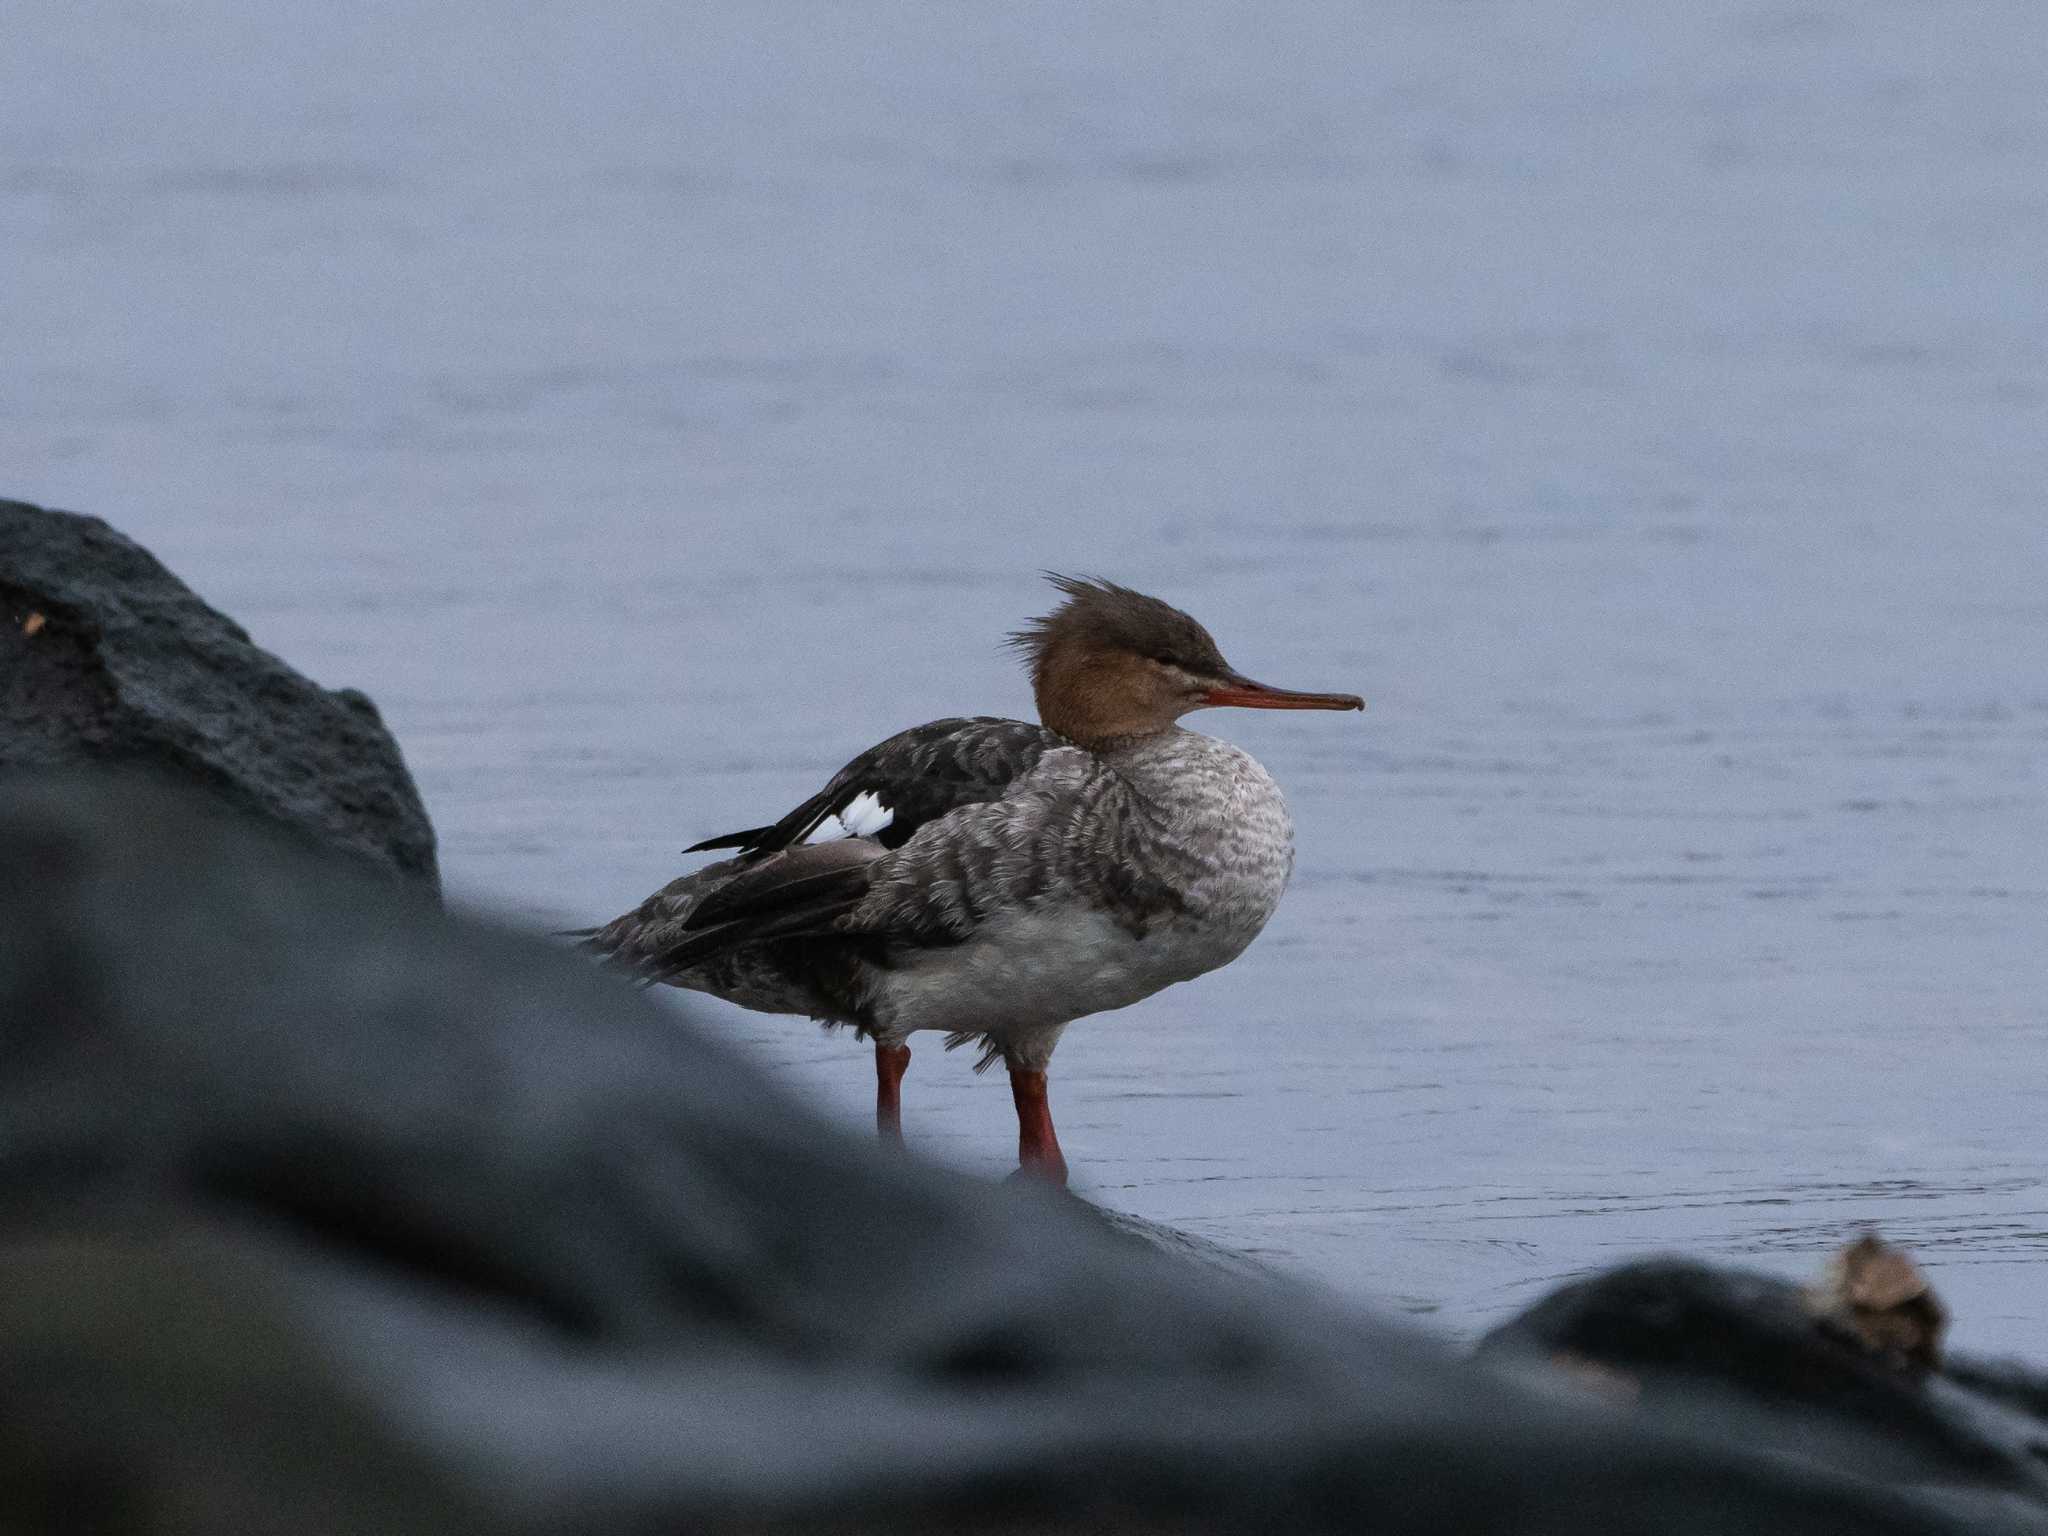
(107, 658)
(322, 1212)
(1671, 1334)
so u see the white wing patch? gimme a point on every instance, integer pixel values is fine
(865, 815)
(862, 816)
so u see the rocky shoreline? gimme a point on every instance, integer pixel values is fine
(108, 660)
(329, 1211)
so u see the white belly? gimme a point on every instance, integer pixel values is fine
(1038, 970)
(1022, 976)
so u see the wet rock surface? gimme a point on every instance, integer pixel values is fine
(322, 1211)
(107, 658)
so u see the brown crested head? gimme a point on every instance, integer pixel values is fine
(1110, 666)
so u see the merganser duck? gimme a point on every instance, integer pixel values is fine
(996, 879)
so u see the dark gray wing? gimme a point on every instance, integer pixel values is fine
(913, 778)
(783, 888)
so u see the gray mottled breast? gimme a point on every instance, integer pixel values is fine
(1222, 836)
(1105, 879)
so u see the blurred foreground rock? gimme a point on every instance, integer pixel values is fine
(322, 1212)
(107, 658)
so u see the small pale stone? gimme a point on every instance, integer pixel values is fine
(1878, 1295)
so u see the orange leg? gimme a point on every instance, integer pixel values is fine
(891, 1062)
(1038, 1149)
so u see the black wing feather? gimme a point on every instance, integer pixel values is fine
(920, 774)
(800, 892)
(751, 838)
(815, 913)
(806, 890)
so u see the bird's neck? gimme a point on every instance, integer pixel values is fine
(1100, 702)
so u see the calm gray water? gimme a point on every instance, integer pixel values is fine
(1643, 406)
